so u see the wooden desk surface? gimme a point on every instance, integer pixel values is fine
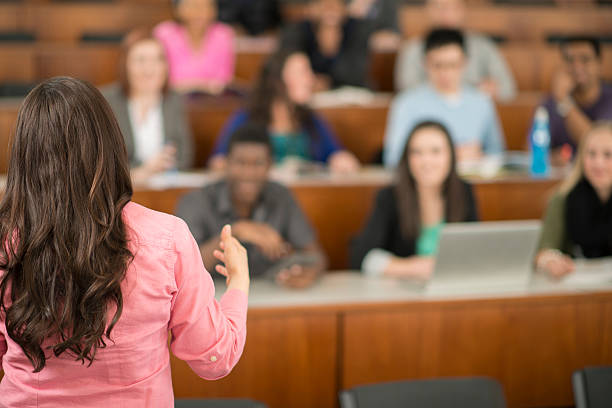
(303, 347)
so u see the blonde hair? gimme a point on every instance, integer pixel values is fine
(578, 169)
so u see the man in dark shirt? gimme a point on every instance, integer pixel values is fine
(264, 216)
(578, 97)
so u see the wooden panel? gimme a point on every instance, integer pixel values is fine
(18, 63)
(97, 64)
(7, 127)
(531, 347)
(513, 200)
(67, 22)
(289, 361)
(518, 23)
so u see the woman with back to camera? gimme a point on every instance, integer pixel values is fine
(90, 282)
(281, 102)
(401, 237)
(152, 118)
(578, 220)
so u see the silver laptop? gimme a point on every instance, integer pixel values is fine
(485, 255)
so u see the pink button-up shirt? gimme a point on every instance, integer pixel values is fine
(214, 61)
(166, 289)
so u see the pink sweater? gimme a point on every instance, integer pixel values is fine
(214, 61)
(166, 289)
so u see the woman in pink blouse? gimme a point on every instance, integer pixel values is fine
(91, 283)
(200, 50)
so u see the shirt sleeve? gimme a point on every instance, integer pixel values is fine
(409, 70)
(234, 122)
(553, 233)
(184, 137)
(376, 233)
(399, 122)
(493, 140)
(207, 334)
(226, 57)
(328, 144)
(498, 71)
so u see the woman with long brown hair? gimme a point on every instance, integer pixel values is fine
(400, 239)
(281, 102)
(90, 282)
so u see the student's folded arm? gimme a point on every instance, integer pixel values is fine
(494, 142)
(207, 334)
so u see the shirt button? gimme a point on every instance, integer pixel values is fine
(213, 358)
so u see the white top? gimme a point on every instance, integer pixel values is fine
(148, 133)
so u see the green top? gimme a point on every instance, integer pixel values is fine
(427, 243)
(290, 145)
(554, 233)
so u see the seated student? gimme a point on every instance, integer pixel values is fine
(200, 51)
(337, 45)
(578, 220)
(254, 16)
(578, 96)
(382, 17)
(153, 119)
(400, 239)
(280, 102)
(264, 215)
(469, 114)
(485, 69)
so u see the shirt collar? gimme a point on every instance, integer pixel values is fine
(226, 208)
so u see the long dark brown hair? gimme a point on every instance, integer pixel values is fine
(65, 250)
(453, 189)
(271, 87)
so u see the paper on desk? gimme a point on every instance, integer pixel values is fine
(591, 272)
(347, 95)
(175, 179)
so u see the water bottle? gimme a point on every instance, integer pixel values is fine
(539, 141)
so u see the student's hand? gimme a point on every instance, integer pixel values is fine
(264, 237)
(562, 85)
(234, 257)
(554, 263)
(415, 267)
(322, 83)
(297, 277)
(561, 156)
(217, 163)
(489, 87)
(468, 152)
(343, 162)
(162, 161)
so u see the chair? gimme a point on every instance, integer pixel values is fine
(475, 392)
(592, 387)
(218, 403)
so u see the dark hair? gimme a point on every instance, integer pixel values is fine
(250, 132)
(64, 249)
(441, 37)
(129, 41)
(453, 189)
(592, 41)
(271, 87)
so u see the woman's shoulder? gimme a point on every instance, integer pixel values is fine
(153, 228)
(221, 30)
(167, 29)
